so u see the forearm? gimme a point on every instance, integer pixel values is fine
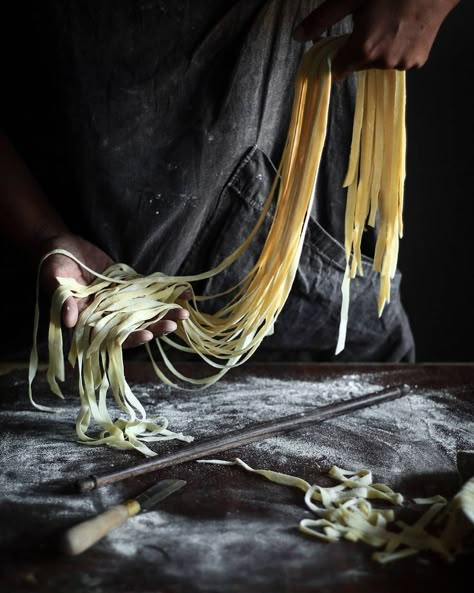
(27, 219)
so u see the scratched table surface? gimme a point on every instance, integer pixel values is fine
(229, 531)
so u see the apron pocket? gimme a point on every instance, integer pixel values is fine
(236, 212)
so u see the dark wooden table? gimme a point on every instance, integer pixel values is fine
(228, 531)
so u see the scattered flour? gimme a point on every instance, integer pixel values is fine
(223, 513)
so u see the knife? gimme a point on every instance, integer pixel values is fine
(79, 538)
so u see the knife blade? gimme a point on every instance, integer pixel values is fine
(80, 537)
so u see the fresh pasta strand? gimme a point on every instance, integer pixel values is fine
(344, 511)
(375, 181)
(122, 301)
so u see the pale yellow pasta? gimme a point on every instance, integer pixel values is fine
(375, 181)
(122, 301)
(344, 512)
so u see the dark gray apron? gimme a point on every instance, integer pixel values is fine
(156, 134)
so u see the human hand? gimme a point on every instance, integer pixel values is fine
(387, 33)
(63, 267)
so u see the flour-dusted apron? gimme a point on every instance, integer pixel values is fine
(156, 131)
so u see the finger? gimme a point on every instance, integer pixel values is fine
(82, 304)
(343, 67)
(186, 295)
(352, 56)
(70, 312)
(72, 309)
(138, 338)
(177, 314)
(326, 15)
(163, 327)
(160, 328)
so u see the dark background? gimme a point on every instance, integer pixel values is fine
(437, 251)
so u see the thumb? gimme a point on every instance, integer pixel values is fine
(70, 312)
(326, 15)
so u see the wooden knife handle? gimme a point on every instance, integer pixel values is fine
(79, 538)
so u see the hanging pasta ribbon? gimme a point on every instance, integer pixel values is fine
(122, 301)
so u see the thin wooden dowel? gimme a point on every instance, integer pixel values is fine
(244, 436)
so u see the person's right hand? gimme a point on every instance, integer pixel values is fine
(63, 267)
(387, 33)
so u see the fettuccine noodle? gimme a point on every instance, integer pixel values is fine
(343, 511)
(122, 301)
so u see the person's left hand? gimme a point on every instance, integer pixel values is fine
(387, 33)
